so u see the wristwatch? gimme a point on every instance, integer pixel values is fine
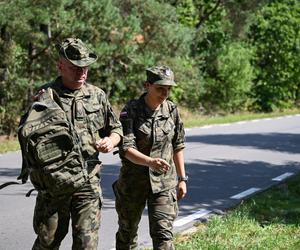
(185, 179)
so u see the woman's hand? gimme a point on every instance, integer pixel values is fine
(159, 165)
(181, 190)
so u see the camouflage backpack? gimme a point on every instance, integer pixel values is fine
(51, 147)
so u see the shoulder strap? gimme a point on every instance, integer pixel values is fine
(49, 96)
(5, 184)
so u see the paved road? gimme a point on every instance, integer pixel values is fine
(226, 163)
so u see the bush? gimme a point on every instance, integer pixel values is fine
(275, 33)
(229, 89)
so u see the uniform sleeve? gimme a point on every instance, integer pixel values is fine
(179, 136)
(112, 124)
(128, 140)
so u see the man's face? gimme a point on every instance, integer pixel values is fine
(73, 76)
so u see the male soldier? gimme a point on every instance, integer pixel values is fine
(90, 113)
(152, 158)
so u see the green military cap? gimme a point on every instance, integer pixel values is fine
(76, 52)
(162, 75)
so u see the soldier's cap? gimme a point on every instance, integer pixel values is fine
(76, 52)
(161, 75)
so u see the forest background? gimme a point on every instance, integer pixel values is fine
(228, 55)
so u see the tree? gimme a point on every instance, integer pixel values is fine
(275, 33)
(164, 41)
(229, 90)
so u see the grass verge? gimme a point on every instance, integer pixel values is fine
(268, 220)
(195, 120)
(8, 144)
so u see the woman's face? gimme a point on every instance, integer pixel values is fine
(158, 93)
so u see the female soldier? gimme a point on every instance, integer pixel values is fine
(152, 158)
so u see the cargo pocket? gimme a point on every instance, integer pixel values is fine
(173, 197)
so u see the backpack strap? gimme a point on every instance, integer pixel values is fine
(49, 96)
(29, 192)
(5, 184)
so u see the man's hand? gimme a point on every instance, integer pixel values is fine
(37, 96)
(181, 190)
(104, 145)
(159, 165)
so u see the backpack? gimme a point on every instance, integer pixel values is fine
(51, 148)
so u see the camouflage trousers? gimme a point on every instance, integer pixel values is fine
(52, 216)
(131, 199)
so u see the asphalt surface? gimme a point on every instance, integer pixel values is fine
(225, 164)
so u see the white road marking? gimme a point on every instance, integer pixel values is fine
(245, 193)
(283, 176)
(194, 216)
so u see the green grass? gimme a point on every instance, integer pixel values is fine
(268, 220)
(8, 145)
(194, 120)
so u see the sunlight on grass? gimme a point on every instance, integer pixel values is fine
(195, 120)
(269, 220)
(9, 145)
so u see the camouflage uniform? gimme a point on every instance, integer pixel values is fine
(90, 112)
(156, 134)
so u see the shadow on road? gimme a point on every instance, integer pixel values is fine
(283, 142)
(10, 172)
(210, 186)
(212, 183)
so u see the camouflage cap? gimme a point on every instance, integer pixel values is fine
(162, 75)
(76, 52)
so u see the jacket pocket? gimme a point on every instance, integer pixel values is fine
(165, 131)
(94, 116)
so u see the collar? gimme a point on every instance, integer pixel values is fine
(66, 92)
(162, 111)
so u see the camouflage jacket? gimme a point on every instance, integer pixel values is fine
(90, 112)
(156, 134)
